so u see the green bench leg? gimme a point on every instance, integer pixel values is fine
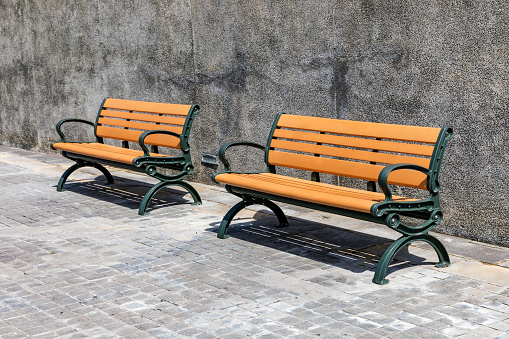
(80, 164)
(381, 269)
(221, 233)
(156, 188)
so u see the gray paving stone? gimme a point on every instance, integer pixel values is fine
(82, 263)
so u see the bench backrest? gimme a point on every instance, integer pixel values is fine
(356, 149)
(128, 119)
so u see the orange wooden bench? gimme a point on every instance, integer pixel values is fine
(386, 154)
(147, 126)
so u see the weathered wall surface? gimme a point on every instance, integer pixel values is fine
(431, 63)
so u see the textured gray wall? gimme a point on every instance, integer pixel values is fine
(431, 63)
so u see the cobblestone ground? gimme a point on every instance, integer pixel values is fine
(83, 264)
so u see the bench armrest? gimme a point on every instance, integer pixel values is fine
(63, 121)
(384, 175)
(144, 147)
(223, 149)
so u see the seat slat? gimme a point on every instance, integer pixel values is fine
(381, 145)
(346, 153)
(427, 135)
(102, 151)
(321, 187)
(132, 135)
(337, 196)
(137, 125)
(144, 117)
(350, 169)
(149, 107)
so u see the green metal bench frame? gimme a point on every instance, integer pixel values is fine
(387, 212)
(146, 163)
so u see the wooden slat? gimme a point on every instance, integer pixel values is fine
(427, 135)
(380, 145)
(138, 125)
(164, 119)
(326, 198)
(103, 151)
(149, 107)
(346, 153)
(346, 168)
(317, 187)
(132, 135)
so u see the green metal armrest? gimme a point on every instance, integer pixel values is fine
(61, 122)
(141, 140)
(384, 175)
(150, 162)
(223, 149)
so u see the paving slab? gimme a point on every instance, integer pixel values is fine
(83, 263)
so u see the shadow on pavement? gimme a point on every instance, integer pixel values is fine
(330, 245)
(126, 193)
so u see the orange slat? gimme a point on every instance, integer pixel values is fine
(101, 151)
(346, 168)
(318, 187)
(132, 135)
(162, 119)
(381, 145)
(326, 198)
(138, 125)
(347, 153)
(427, 135)
(149, 107)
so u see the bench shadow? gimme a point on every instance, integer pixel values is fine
(127, 193)
(343, 248)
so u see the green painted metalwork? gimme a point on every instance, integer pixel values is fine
(248, 200)
(146, 164)
(381, 269)
(388, 212)
(79, 164)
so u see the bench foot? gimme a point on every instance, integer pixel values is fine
(283, 221)
(156, 188)
(78, 165)
(381, 269)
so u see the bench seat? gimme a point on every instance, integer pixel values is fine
(105, 152)
(306, 190)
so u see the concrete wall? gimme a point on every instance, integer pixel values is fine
(431, 63)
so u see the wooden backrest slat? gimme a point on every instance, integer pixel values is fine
(353, 149)
(162, 119)
(346, 153)
(147, 107)
(363, 143)
(134, 135)
(358, 128)
(351, 169)
(127, 119)
(137, 125)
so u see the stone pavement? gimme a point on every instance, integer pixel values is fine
(83, 264)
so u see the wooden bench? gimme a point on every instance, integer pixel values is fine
(145, 124)
(386, 154)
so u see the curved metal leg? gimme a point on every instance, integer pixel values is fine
(381, 269)
(156, 188)
(191, 190)
(221, 232)
(443, 256)
(63, 178)
(67, 173)
(281, 217)
(106, 173)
